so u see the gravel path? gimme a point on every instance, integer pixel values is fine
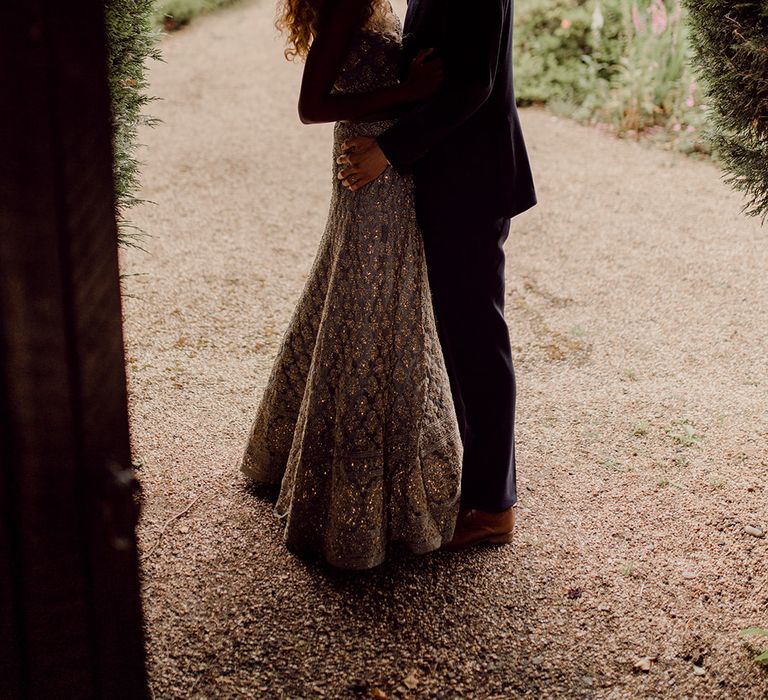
(638, 308)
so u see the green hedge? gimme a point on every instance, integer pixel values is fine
(132, 35)
(556, 50)
(132, 39)
(730, 41)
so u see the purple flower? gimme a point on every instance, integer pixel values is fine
(658, 16)
(691, 92)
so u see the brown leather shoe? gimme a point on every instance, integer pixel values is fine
(478, 527)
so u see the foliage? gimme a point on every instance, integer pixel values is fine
(619, 63)
(172, 14)
(132, 39)
(730, 46)
(651, 85)
(555, 44)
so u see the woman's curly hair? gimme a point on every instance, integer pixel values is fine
(299, 19)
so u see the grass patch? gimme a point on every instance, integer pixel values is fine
(759, 632)
(627, 568)
(716, 482)
(611, 464)
(684, 434)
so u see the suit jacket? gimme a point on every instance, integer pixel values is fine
(464, 145)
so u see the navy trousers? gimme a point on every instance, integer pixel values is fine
(465, 260)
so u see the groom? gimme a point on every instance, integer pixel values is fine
(471, 174)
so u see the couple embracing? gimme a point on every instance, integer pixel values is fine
(388, 416)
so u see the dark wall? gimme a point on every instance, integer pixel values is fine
(70, 615)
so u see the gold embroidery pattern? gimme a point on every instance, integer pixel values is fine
(357, 424)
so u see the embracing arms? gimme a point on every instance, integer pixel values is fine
(471, 54)
(318, 103)
(473, 34)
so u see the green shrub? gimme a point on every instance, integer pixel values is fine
(653, 85)
(558, 55)
(615, 62)
(132, 39)
(730, 41)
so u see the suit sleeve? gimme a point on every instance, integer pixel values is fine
(472, 35)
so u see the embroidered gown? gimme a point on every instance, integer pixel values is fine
(356, 424)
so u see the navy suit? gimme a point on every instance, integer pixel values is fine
(471, 173)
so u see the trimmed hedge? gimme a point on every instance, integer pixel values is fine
(132, 39)
(730, 42)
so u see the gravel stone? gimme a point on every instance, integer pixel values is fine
(636, 296)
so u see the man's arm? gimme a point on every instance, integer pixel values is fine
(474, 32)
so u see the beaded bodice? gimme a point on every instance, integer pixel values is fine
(372, 59)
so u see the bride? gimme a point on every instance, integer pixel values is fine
(357, 424)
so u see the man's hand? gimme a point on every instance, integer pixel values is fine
(364, 162)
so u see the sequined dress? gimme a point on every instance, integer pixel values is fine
(356, 424)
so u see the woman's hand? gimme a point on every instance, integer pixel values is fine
(424, 76)
(364, 161)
